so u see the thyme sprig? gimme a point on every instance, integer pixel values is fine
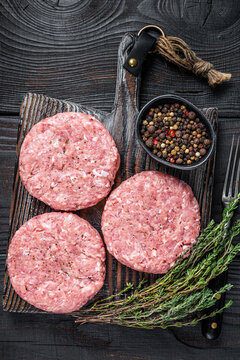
(179, 297)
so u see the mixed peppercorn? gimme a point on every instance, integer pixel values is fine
(175, 134)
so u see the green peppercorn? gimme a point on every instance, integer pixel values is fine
(164, 154)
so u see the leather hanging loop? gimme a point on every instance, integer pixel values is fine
(143, 44)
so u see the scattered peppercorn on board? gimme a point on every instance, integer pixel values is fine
(121, 124)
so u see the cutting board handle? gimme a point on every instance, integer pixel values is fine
(127, 85)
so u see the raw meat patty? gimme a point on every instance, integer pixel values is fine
(56, 262)
(69, 161)
(149, 220)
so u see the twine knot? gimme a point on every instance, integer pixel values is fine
(202, 68)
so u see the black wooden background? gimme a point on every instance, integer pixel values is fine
(68, 50)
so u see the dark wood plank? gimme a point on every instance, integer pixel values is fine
(59, 340)
(63, 57)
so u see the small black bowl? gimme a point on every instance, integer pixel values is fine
(171, 99)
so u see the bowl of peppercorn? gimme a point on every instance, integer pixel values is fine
(175, 132)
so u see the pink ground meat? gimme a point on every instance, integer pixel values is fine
(56, 262)
(69, 161)
(149, 220)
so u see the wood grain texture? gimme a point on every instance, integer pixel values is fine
(78, 50)
(68, 49)
(121, 124)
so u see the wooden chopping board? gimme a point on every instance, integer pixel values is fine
(121, 124)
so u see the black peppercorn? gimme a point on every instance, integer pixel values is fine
(179, 161)
(149, 142)
(162, 136)
(151, 129)
(192, 115)
(202, 152)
